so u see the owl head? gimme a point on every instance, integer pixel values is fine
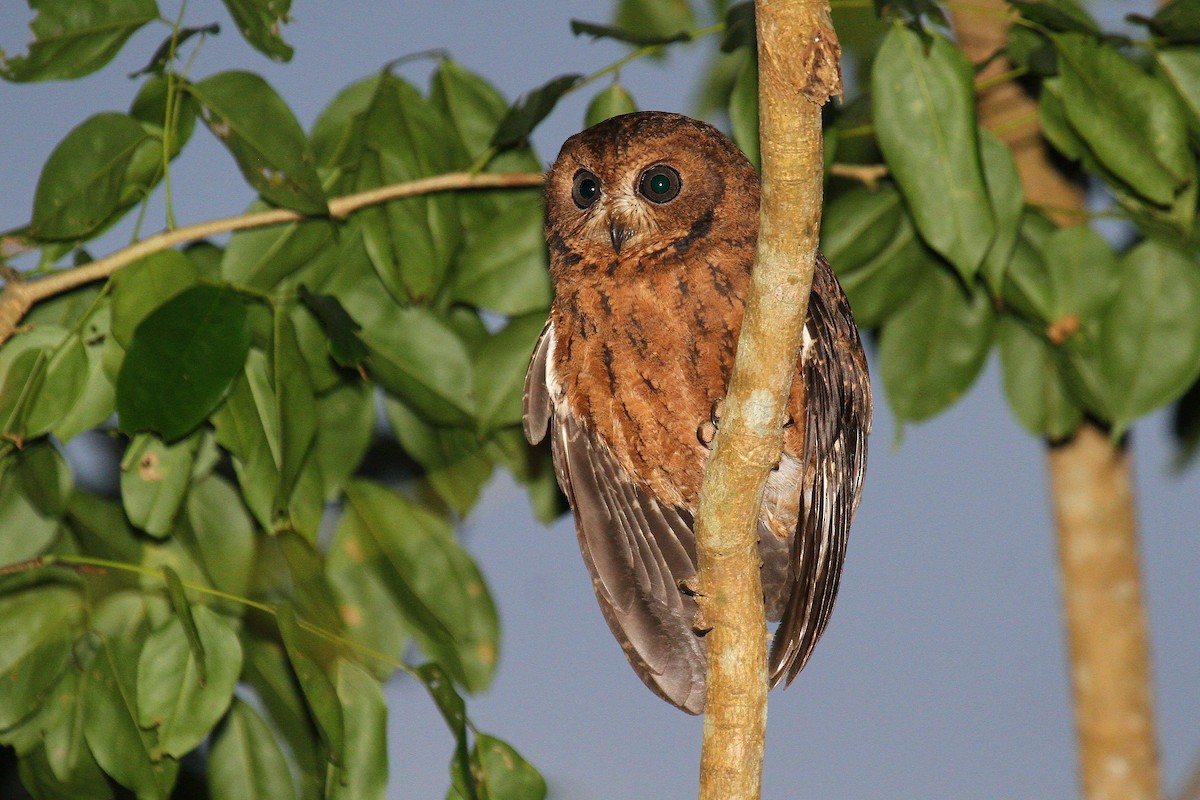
(645, 184)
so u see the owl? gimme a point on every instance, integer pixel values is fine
(651, 226)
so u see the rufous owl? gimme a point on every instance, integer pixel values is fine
(651, 224)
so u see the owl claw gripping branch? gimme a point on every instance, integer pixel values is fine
(652, 221)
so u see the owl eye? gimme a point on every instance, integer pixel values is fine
(659, 184)
(585, 189)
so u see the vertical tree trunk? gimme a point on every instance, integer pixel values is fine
(798, 71)
(1091, 490)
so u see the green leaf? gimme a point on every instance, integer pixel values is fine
(171, 698)
(450, 703)
(472, 105)
(655, 17)
(336, 134)
(530, 109)
(154, 480)
(1177, 20)
(295, 407)
(505, 774)
(505, 268)
(1083, 273)
(181, 361)
(1180, 68)
(474, 108)
(248, 426)
(73, 39)
(739, 28)
(223, 533)
(42, 374)
(95, 400)
(638, 38)
(364, 775)
(876, 252)
(1150, 336)
(932, 349)
(287, 255)
(743, 108)
(1007, 196)
(171, 47)
(345, 426)
(433, 578)
(1052, 115)
(859, 223)
(500, 367)
(323, 371)
(366, 604)
(43, 782)
(84, 181)
(1030, 50)
(121, 747)
(1037, 392)
(245, 761)
(260, 131)
(1058, 15)
(270, 675)
(455, 466)
(36, 627)
(1027, 287)
(1129, 120)
(320, 696)
(259, 22)
(609, 102)
(415, 356)
(412, 240)
(177, 594)
(146, 284)
(924, 114)
(344, 345)
(34, 486)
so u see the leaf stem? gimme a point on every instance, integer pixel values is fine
(645, 50)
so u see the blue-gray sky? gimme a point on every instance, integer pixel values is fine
(943, 672)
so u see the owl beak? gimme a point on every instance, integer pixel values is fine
(618, 234)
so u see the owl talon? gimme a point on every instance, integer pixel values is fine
(708, 429)
(790, 422)
(717, 410)
(688, 586)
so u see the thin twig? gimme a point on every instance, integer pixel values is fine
(867, 174)
(20, 296)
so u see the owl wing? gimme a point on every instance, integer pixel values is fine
(636, 549)
(837, 421)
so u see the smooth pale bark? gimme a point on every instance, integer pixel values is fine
(798, 71)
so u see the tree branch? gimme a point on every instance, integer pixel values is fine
(797, 50)
(20, 296)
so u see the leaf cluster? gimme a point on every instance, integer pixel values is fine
(946, 259)
(302, 412)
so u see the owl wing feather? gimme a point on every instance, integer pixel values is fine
(837, 421)
(636, 549)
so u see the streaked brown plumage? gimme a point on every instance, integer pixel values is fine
(651, 221)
